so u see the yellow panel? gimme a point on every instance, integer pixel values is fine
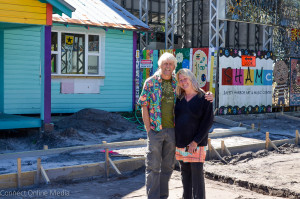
(26, 15)
(26, 21)
(24, 2)
(21, 8)
(23, 11)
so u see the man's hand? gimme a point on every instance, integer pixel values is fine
(146, 118)
(209, 96)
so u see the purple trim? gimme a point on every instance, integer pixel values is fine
(47, 84)
(134, 69)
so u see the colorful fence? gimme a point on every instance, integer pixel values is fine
(245, 81)
(249, 81)
(196, 59)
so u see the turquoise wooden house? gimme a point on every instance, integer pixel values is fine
(25, 61)
(93, 57)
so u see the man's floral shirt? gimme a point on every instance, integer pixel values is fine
(151, 97)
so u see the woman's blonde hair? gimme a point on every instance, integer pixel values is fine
(167, 56)
(187, 73)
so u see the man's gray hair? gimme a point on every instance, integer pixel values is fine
(167, 56)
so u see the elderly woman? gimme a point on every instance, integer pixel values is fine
(193, 119)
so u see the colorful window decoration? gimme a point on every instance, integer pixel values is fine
(245, 87)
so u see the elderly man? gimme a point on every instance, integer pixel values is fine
(157, 100)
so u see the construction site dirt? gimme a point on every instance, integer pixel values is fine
(253, 174)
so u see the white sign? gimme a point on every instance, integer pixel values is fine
(146, 64)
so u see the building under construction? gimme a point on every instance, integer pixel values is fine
(242, 24)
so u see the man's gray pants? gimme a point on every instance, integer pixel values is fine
(159, 162)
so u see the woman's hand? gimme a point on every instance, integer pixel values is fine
(193, 147)
(209, 96)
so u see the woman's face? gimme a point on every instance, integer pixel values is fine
(184, 82)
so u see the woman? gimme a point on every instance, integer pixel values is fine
(193, 119)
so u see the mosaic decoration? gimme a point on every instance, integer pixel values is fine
(245, 81)
(295, 82)
(199, 66)
(254, 11)
(280, 84)
(289, 13)
(183, 58)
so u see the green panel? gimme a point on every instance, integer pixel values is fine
(116, 94)
(22, 83)
(1, 71)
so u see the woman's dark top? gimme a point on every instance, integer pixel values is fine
(193, 119)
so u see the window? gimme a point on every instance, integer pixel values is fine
(76, 53)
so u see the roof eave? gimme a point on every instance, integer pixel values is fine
(60, 6)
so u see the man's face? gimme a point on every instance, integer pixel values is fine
(167, 67)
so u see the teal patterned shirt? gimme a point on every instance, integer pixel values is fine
(151, 97)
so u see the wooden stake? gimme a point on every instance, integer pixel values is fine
(273, 145)
(209, 148)
(38, 171)
(45, 176)
(19, 173)
(297, 138)
(114, 166)
(252, 126)
(267, 140)
(222, 148)
(218, 155)
(106, 161)
(45, 147)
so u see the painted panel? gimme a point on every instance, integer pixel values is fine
(183, 58)
(22, 84)
(212, 66)
(245, 89)
(199, 66)
(295, 82)
(116, 90)
(143, 73)
(23, 11)
(280, 84)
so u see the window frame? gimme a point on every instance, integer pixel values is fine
(86, 32)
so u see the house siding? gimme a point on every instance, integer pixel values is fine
(22, 61)
(23, 11)
(116, 91)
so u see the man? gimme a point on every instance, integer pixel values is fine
(157, 100)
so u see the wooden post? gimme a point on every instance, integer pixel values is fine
(38, 171)
(267, 140)
(45, 147)
(258, 127)
(252, 126)
(106, 161)
(297, 138)
(222, 148)
(19, 173)
(209, 148)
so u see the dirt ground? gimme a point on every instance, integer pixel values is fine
(249, 175)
